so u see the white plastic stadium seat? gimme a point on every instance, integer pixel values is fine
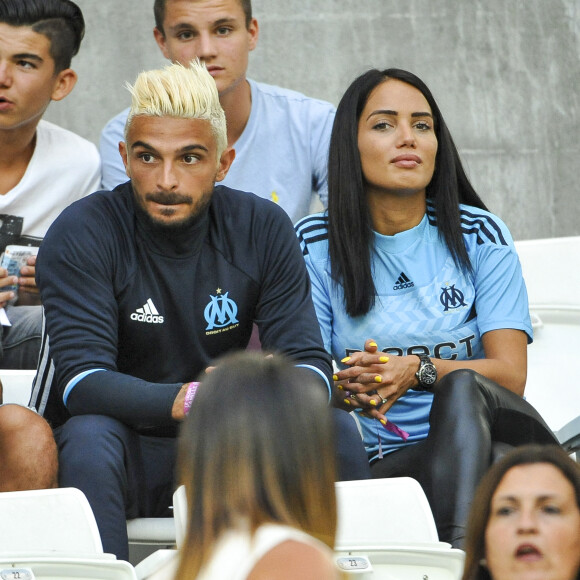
(405, 505)
(48, 521)
(17, 385)
(147, 535)
(60, 568)
(397, 538)
(180, 514)
(401, 514)
(52, 533)
(552, 275)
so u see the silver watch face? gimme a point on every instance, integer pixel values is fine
(427, 374)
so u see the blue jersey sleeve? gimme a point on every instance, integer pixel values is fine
(322, 129)
(112, 168)
(501, 296)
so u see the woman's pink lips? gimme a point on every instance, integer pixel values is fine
(528, 553)
(5, 103)
(406, 161)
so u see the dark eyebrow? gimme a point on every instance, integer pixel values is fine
(181, 26)
(185, 149)
(507, 498)
(226, 20)
(190, 26)
(142, 144)
(193, 148)
(395, 113)
(540, 498)
(28, 56)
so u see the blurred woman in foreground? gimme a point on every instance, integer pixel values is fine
(258, 464)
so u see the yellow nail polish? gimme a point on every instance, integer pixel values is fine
(373, 402)
(383, 421)
(334, 378)
(378, 379)
(340, 387)
(347, 401)
(345, 359)
(373, 344)
(384, 359)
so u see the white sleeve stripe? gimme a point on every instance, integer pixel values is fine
(75, 380)
(317, 370)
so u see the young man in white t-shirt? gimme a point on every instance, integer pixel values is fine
(43, 168)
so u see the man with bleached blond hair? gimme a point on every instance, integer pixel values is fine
(145, 285)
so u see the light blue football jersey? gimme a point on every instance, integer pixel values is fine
(425, 304)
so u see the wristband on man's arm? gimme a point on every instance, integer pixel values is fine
(189, 396)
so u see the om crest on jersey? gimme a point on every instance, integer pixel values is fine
(220, 313)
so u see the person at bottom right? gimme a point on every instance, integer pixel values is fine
(525, 520)
(420, 298)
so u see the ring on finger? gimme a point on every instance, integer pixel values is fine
(383, 401)
(352, 395)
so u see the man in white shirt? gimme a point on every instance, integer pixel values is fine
(43, 168)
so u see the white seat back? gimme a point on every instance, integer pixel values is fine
(180, 515)
(552, 274)
(374, 513)
(65, 568)
(400, 514)
(48, 521)
(551, 269)
(403, 563)
(17, 385)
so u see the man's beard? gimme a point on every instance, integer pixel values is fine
(164, 198)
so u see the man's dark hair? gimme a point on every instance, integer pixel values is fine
(159, 11)
(61, 21)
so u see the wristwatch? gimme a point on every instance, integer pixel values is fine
(427, 373)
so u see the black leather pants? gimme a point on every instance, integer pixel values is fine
(472, 421)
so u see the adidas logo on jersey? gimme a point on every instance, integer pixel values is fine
(148, 313)
(403, 282)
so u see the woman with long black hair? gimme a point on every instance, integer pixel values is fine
(420, 297)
